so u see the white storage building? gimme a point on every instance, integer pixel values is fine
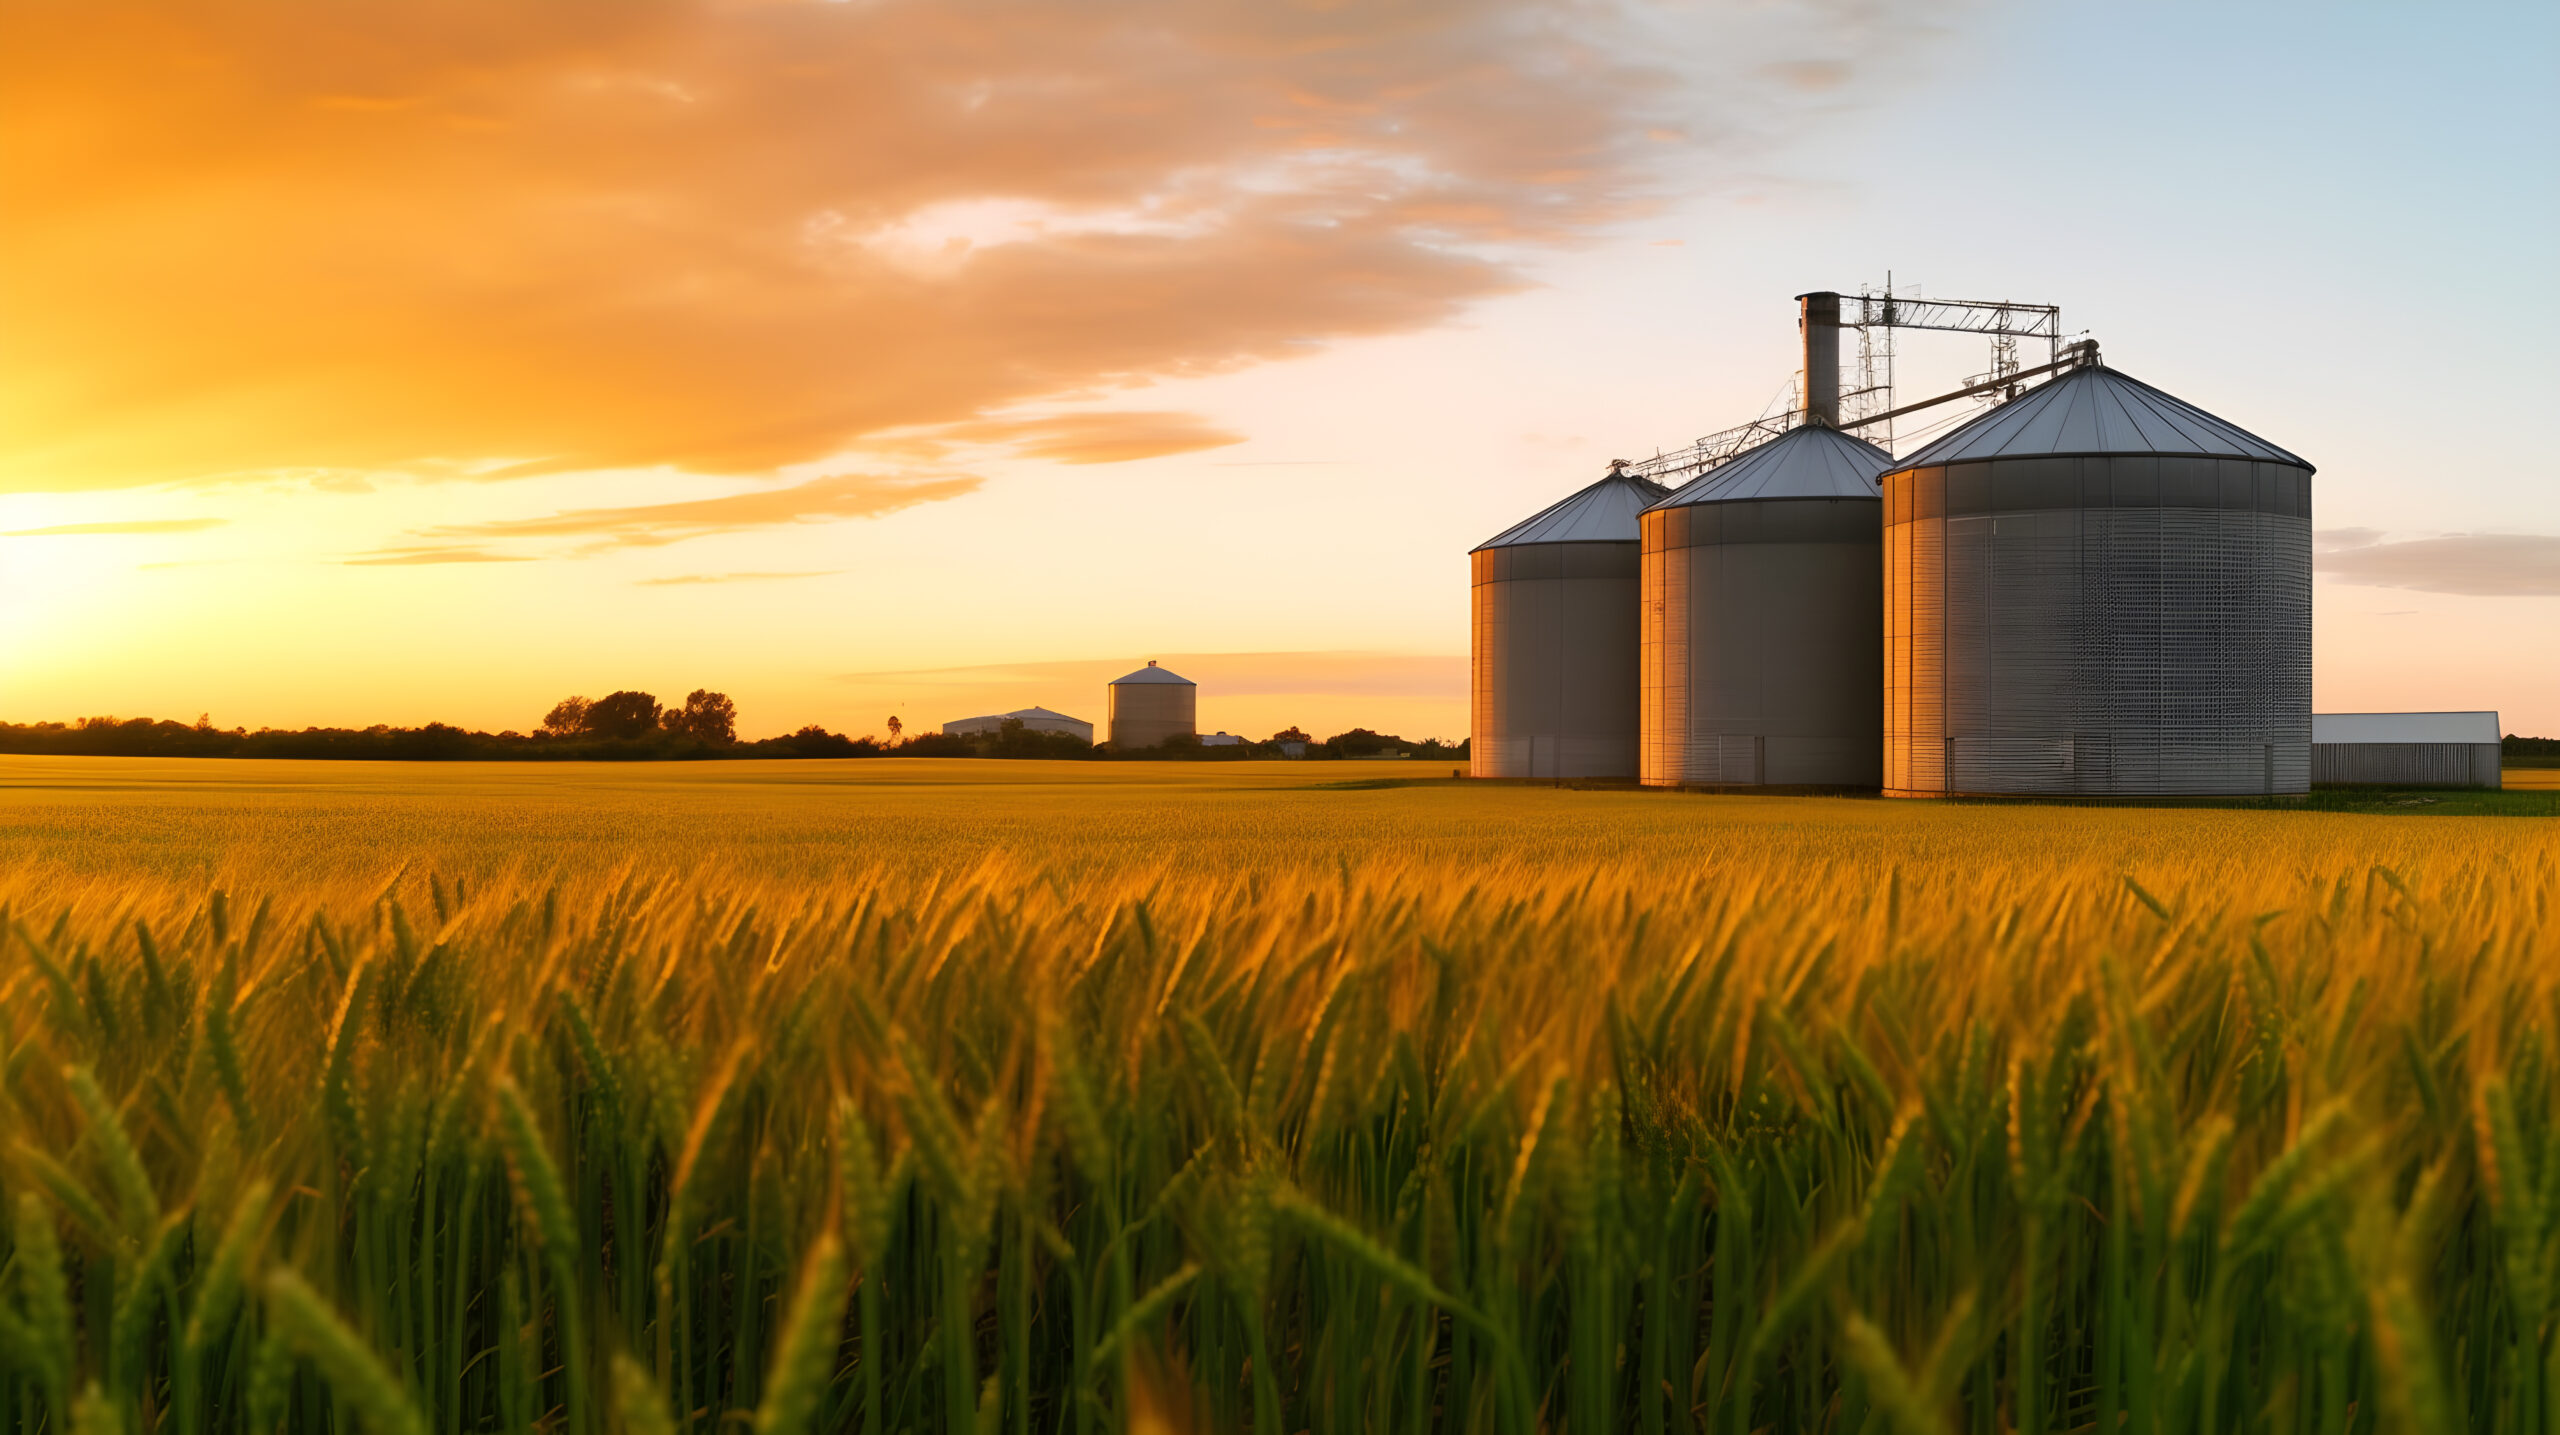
(2405, 749)
(1033, 719)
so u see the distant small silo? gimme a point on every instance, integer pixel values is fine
(1554, 672)
(1150, 705)
(1762, 614)
(2101, 589)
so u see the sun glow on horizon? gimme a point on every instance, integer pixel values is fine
(434, 362)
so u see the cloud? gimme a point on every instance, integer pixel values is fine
(473, 238)
(850, 495)
(136, 525)
(1812, 75)
(687, 579)
(2494, 565)
(413, 557)
(1099, 437)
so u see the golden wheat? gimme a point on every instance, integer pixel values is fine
(887, 1103)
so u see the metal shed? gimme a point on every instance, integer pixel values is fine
(1150, 705)
(2406, 749)
(1555, 668)
(2097, 588)
(1762, 619)
(1033, 719)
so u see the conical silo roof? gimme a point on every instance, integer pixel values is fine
(1152, 674)
(1603, 513)
(1809, 462)
(2095, 411)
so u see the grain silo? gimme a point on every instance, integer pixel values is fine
(1763, 595)
(1555, 670)
(2097, 588)
(1150, 705)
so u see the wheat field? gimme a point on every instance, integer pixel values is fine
(912, 1096)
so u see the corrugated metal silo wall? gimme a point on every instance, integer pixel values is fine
(1145, 714)
(1554, 672)
(2116, 625)
(1763, 633)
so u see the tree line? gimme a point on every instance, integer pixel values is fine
(633, 726)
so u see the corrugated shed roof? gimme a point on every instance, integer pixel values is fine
(1152, 674)
(2404, 727)
(2095, 410)
(1603, 513)
(1808, 462)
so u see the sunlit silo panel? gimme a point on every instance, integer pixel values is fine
(1555, 671)
(2098, 588)
(1762, 594)
(1150, 705)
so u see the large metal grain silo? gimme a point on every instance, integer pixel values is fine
(1762, 634)
(2098, 588)
(1150, 705)
(1554, 672)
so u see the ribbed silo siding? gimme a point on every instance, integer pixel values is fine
(1555, 664)
(2407, 764)
(1915, 578)
(1145, 714)
(1762, 642)
(2121, 625)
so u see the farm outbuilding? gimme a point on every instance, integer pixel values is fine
(1033, 719)
(2406, 749)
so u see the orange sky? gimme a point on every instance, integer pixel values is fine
(479, 239)
(435, 360)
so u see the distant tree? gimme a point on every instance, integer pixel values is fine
(1013, 739)
(1290, 734)
(707, 715)
(436, 742)
(815, 741)
(1361, 742)
(895, 727)
(622, 714)
(567, 718)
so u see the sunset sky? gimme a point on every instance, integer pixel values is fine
(434, 361)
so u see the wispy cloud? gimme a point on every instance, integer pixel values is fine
(687, 579)
(850, 495)
(1107, 437)
(134, 525)
(730, 238)
(2491, 565)
(1812, 75)
(417, 557)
